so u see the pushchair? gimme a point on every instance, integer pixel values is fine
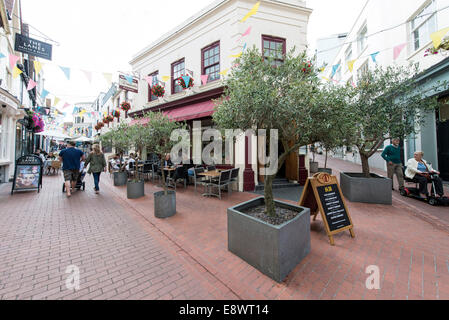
(80, 184)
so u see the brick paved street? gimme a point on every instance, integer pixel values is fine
(124, 252)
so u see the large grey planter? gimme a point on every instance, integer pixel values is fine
(120, 179)
(357, 188)
(313, 167)
(135, 190)
(273, 250)
(164, 205)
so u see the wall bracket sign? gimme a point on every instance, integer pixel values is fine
(323, 193)
(33, 47)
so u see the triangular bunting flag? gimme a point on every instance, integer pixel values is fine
(374, 55)
(66, 72)
(246, 33)
(325, 78)
(88, 75)
(166, 78)
(186, 80)
(236, 55)
(44, 93)
(204, 79)
(56, 101)
(129, 79)
(149, 80)
(2, 56)
(438, 36)
(334, 70)
(252, 12)
(37, 66)
(31, 85)
(244, 47)
(66, 105)
(351, 65)
(108, 77)
(397, 50)
(13, 60)
(224, 72)
(16, 72)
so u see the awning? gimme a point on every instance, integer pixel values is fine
(194, 111)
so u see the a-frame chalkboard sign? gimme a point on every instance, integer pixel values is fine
(27, 174)
(322, 193)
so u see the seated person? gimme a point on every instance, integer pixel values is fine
(115, 163)
(421, 172)
(51, 156)
(167, 161)
(131, 160)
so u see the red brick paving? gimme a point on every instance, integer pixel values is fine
(126, 253)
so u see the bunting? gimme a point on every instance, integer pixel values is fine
(13, 60)
(88, 75)
(108, 77)
(374, 55)
(397, 50)
(66, 72)
(224, 72)
(57, 100)
(351, 65)
(204, 79)
(16, 72)
(44, 93)
(31, 85)
(37, 66)
(437, 37)
(252, 12)
(334, 70)
(246, 33)
(166, 78)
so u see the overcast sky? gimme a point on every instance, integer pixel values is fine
(103, 35)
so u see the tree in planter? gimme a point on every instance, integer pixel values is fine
(158, 134)
(387, 103)
(119, 139)
(261, 95)
(140, 137)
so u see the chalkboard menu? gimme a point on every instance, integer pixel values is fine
(322, 194)
(27, 174)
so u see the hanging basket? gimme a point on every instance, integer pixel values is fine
(185, 85)
(158, 90)
(117, 114)
(125, 106)
(110, 118)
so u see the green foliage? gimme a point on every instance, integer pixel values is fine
(119, 139)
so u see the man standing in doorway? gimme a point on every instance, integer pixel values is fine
(392, 155)
(71, 161)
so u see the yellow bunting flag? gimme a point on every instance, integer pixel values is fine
(322, 69)
(351, 65)
(166, 78)
(108, 77)
(224, 72)
(56, 112)
(56, 101)
(438, 36)
(37, 66)
(236, 55)
(252, 12)
(16, 72)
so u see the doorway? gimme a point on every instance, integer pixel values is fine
(443, 140)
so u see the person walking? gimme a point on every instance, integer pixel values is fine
(392, 155)
(97, 162)
(71, 162)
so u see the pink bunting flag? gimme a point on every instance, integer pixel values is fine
(47, 111)
(13, 60)
(88, 75)
(149, 80)
(246, 33)
(31, 85)
(66, 105)
(204, 79)
(398, 49)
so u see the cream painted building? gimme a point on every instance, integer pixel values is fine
(203, 45)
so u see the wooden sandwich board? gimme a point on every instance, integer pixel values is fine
(323, 193)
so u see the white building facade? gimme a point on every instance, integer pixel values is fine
(204, 45)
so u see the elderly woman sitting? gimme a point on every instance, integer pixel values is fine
(422, 172)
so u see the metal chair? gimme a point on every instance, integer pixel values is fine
(147, 169)
(179, 175)
(199, 179)
(222, 182)
(155, 171)
(234, 178)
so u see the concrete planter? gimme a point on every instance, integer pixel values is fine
(120, 179)
(357, 188)
(135, 190)
(313, 167)
(273, 250)
(164, 205)
(325, 170)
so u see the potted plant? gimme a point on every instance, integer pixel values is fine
(312, 163)
(186, 81)
(125, 106)
(117, 114)
(388, 102)
(272, 236)
(160, 129)
(158, 90)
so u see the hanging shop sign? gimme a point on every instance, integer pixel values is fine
(126, 84)
(33, 47)
(322, 193)
(28, 174)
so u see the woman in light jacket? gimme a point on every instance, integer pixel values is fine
(422, 172)
(97, 163)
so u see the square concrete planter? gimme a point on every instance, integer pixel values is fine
(357, 188)
(273, 250)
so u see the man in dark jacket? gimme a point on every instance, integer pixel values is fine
(71, 162)
(392, 155)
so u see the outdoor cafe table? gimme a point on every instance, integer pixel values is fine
(210, 175)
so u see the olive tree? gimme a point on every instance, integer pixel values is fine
(264, 94)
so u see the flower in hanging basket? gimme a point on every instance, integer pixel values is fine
(125, 106)
(431, 51)
(117, 114)
(183, 83)
(110, 118)
(100, 124)
(306, 67)
(106, 120)
(158, 90)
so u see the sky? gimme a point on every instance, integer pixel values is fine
(103, 35)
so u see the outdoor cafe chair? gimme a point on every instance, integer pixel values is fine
(211, 168)
(197, 179)
(223, 182)
(234, 178)
(147, 169)
(155, 172)
(180, 175)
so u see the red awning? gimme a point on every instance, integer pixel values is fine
(194, 111)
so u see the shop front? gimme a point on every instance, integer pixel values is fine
(10, 114)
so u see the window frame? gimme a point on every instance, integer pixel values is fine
(203, 68)
(363, 30)
(150, 95)
(173, 73)
(413, 28)
(275, 39)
